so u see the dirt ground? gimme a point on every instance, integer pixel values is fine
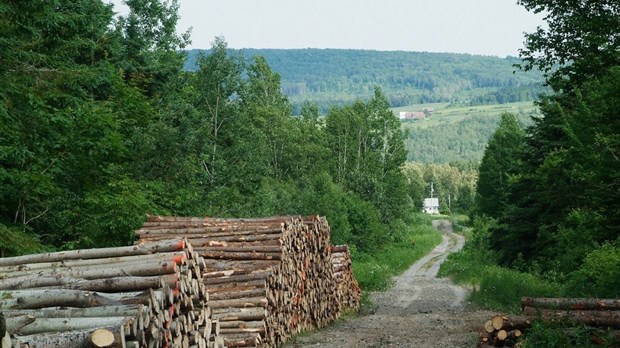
(420, 310)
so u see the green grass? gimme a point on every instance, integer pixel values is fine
(449, 113)
(374, 271)
(494, 287)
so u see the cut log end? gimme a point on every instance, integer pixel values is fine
(102, 338)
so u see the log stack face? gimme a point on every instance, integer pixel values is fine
(267, 279)
(349, 290)
(600, 316)
(150, 295)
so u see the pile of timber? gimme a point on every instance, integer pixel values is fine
(503, 330)
(267, 278)
(600, 316)
(349, 290)
(150, 295)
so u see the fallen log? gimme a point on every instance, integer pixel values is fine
(46, 325)
(73, 339)
(31, 299)
(571, 303)
(143, 249)
(509, 322)
(14, 324)
(64, 312)
(609, 319)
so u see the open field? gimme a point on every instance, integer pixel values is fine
(445, 113)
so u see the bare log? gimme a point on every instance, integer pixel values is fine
(143, 249)
(610, 319)
(32, 299)
(64, 312)
(571, 303)
(14, 324)
(69, 339)
(44, 325)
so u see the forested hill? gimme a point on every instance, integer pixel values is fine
(335, 76)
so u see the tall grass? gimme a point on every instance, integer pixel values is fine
(494, 287)
(374, 270)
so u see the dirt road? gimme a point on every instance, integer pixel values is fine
(420, 310)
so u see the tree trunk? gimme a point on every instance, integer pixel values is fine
(571, 303)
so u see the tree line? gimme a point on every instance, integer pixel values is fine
(101, 125)
(551, 192)
(335, 77)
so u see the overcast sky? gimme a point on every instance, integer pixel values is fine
(488, 27)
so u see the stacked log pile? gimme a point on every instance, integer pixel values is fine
(503, 330)
(348, 289)
(150, 295)
(600, 316)
(267, 278)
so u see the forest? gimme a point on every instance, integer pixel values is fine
(102, 122)
(101, 125)
(335, 77)
(547, 197)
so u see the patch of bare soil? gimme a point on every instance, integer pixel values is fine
(420, 310)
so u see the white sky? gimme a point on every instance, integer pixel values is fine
(488, 27)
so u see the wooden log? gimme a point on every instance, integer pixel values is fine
(102, 338)
(54, 277)
(179, 257)
(571, 303)
(114, 284)
(32, 299)
(258, 275)
(144, 249)
(64, 312)
(44, 325)
(509, 322)
(246, 314)
(610, 319)
(205, 231)
(69, 339)
(239, 255)
(240, 303)
(14, 324)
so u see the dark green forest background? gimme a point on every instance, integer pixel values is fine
(101, 122)
(335, 77)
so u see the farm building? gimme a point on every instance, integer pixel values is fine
(431, 205)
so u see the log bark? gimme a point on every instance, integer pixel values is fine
(145, 249)
(64, 312)
(14, 324)
(610, 319)
(69, 339)
(45, 325)
(571, 303)
(32, 299)
(510, 322)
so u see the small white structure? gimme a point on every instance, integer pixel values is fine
(431, 205)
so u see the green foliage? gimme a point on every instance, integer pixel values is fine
(367, 153)
(454, 184)
(334, 77)
(542, 335)
(499, 164)
(579, 42)
(458, 134)
(374, 269)
(599, 275)
(495, 287)
(18, 242)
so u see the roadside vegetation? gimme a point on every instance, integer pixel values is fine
(374, 270)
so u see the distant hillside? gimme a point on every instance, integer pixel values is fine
(335, 77)
(458, 133)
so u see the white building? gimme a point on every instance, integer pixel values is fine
(431, 205)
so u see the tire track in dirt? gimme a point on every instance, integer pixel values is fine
(420, 310)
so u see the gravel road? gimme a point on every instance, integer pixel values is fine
(420, 310)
